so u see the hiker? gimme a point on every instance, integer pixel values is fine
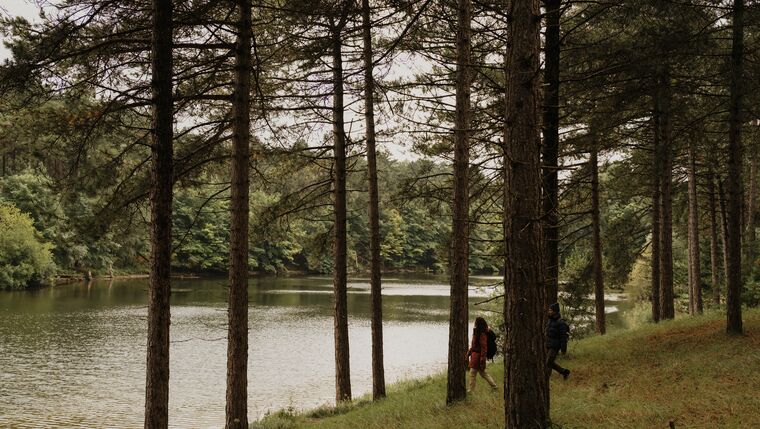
(556, 339)
(478, 353)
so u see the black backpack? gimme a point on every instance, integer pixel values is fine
(491, 345)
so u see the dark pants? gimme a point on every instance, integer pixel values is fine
(550, 361)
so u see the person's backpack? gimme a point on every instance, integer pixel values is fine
(491, 345)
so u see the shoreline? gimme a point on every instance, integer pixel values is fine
(71, 278)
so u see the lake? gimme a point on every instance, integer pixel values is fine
(74, 355)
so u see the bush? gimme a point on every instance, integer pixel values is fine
(25, 260)
(577, 286)
(751, 293)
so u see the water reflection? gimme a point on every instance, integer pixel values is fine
(74, 356)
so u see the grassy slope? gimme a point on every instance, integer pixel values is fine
(688, 371)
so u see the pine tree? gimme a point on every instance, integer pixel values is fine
(460, 240)
(525, 385)
(237, 337)
(161, 190)
(378, 368)
(733, 248)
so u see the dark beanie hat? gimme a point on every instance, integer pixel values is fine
(555, 307)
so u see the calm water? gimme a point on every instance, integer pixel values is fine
(74, 356)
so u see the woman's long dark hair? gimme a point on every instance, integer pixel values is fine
(480, 327)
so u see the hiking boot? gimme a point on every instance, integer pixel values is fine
(566, 374)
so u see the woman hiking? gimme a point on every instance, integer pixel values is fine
(477, 354)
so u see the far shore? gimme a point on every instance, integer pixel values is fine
(64, 279)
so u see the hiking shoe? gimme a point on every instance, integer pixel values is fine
(566, 374)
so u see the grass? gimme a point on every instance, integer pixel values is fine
(687, 371)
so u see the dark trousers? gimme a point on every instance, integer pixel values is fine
(551, 356)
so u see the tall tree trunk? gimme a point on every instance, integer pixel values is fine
(656, 203)
(667, 307)
(695, 276)
(714, 261)
(734, 280)
(723, 227)
(237, 313)
(550, 153)
(600, 325)
(378, 370)
(551, 146)
(162, 171)
(750, 236)
(460, 240)
(340, 309)
(525, 384)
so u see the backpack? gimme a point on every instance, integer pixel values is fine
(491, 345)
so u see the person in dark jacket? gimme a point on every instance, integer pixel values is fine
(556, 339)
(477, 354)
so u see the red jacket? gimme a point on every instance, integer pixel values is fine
(477, 352)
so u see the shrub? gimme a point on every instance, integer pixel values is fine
(25, 260)
(577, 287)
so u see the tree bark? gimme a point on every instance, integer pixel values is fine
(723, 227)
(460, 240)
(237, 313)
(551, 146)
(340, 309)
(750, 236)
(667, 307)
(656, 203)
(600, 325)
(525, 384)
(695, 276)
(734, 280)
(162, 171)
(714, 257)
(378, 369)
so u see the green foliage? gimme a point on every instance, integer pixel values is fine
(751, 293)
(201, 228)
(639, 285)
(283, 419)
(394, 237)
(751, 290)
(637, 316)
(413, 237)
(25, 259)
(81, 237)
(577, 285)
(624, 228)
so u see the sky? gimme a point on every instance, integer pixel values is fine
(25, 8)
